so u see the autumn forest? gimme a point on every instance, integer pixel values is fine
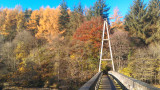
(59, 47)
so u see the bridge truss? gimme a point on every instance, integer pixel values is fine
(105, 29)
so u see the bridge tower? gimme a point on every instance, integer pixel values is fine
(105, 29)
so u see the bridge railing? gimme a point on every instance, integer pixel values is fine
(93, 83)
(131, 83)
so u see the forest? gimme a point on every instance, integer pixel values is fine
(59, 47)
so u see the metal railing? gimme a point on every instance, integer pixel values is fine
(93, 83)
(131, 83)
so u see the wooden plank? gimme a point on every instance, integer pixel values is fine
(106, 83)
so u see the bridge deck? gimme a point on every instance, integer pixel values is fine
(106, 83)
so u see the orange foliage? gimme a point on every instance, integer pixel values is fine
(48, 24)
(10, 21)
(116, 17)
(34, 21)
(90, 31)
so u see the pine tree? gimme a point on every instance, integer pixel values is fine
(153, 19)
(64, 17)
(27, 13)
(136, 20)
(89, 13)
(76, 19)
(100, 9)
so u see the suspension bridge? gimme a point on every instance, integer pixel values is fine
(113, 80)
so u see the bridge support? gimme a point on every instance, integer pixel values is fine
(105, 29)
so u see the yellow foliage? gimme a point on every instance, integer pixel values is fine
(20, 52)
(69, 12)
(20, 21)
(158, 86)
(33, 22)
(21, 69)
(104, 64)
(126, 71)
(116, 18)
(72, 56)
(48, 25)
(9, 22)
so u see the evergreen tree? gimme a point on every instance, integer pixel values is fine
(76, 19)
(64, 17)
(153, 19)
(27, 13)
(136, 20)
(100, 9)
(89, 13)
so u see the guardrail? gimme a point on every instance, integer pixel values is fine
(131, 83)
(93, 83)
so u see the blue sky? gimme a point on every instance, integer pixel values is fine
(123, 5)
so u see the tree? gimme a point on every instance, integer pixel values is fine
(153, 19)
(3, 14)
(116, 20)
(33, 22)
(89, 13)
(100, 9)
(64, 16)
(135, 20)
(23, 43)
(48, 25)
(10, 24)
(27, 14)
(121, 46)
(20, 21)
(90, 32)
(76, 19)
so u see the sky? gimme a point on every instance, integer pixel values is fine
(123, 5)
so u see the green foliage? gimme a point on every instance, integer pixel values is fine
(135, 20)
(141, 21)
(99, 9)
(153, 19)
(27, 14)
(64, 17)
(76, 19)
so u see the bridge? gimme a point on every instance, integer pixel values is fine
(113, 80)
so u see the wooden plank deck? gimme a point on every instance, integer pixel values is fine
(106, 83)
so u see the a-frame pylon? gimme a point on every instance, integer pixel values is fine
(105, 29)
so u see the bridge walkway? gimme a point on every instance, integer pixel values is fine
(106, 83)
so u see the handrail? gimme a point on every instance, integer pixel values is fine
(93, 83)
(131, 83)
